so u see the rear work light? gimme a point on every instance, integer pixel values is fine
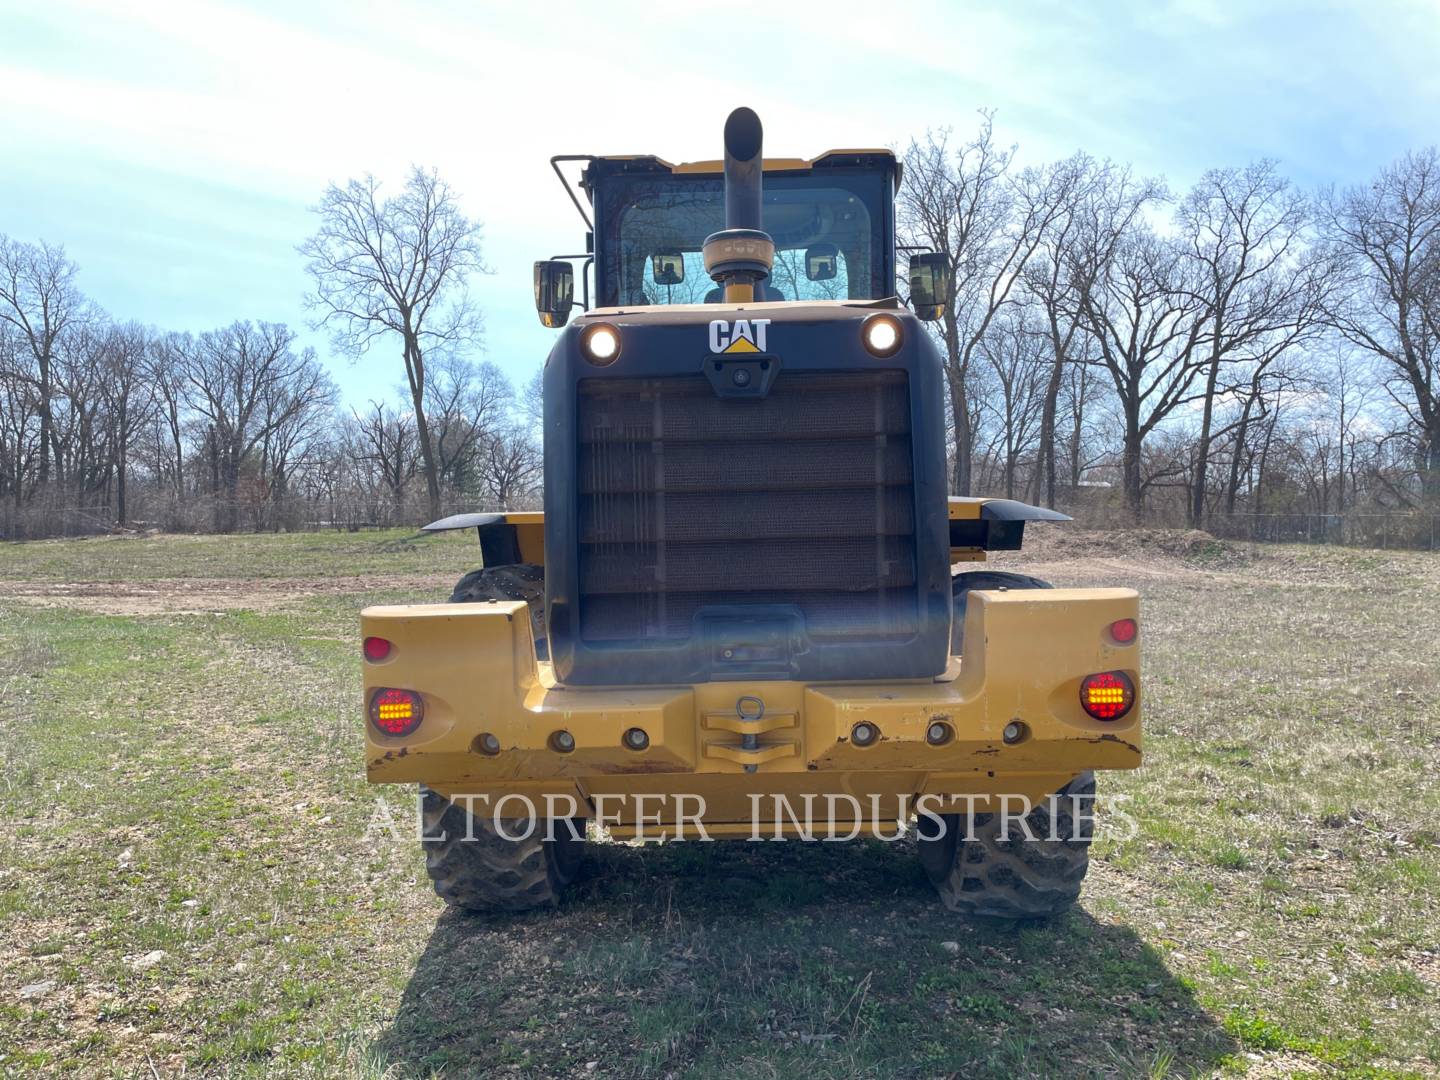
(377, 649)
(1108, 695)
(396, 712)
(882, 335)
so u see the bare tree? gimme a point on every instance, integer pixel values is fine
(165, 372)
(1107, 199)
(296, 411)
(1279, 397)
(385, 439)
(532, 400)
(1253, 400)
(1088, 426)
(973, 206)
(511, 464)
(1350, 394)
(397, 266)
(80, 429)
(1015, 349)
(1240, 230)
(19, 428)
(39, 299)
(1142, 316)
(1388, 234)
(244, 382)
(465, 401)
(129, 399)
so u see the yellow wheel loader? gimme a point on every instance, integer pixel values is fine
(749, 609)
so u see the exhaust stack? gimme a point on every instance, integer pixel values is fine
(743, 173)
(742, 254)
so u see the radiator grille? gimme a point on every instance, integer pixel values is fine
(803, 498)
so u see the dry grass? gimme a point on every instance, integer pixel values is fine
(187, 884)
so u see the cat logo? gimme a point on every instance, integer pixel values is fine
(746, 335)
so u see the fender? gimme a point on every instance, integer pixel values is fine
(980, 525)
(977, 525)
(505, 539)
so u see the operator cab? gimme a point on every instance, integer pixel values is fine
(831, 218)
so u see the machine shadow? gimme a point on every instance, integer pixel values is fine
(736, 929)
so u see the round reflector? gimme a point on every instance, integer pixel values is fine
(1124, 631)
(1108, 695)
(377, 649)
(863, 734)
(396, 712)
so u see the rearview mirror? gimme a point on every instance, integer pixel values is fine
(667, 267)
(554, 292)
(821, 261)
(929, 284)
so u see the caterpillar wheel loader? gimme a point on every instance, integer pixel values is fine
(749, 608)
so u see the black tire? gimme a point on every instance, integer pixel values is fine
(1015, 878)
(520, 581)
(489, 872)
(962, 585)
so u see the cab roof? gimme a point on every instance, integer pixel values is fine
(649, 163)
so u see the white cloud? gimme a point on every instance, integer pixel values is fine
(197, 117)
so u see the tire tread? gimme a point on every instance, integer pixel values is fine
(1014, 878)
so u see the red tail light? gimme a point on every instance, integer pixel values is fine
(1108, 695)
(396, 712)
(377, 649)
(1124, 631)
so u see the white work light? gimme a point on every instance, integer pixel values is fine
(600, 343)
(882, 335)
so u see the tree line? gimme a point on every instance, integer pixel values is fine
(1241, 347)
(1244, 346)
(105, 422)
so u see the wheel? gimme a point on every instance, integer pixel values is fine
(476, 868)
(1014, 878)
(962, 585)
(520, 581)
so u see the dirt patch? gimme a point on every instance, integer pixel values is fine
(199, 596)
(1189, 546)
(1067, 555)
(1094, 572)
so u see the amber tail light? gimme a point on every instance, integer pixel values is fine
(1108, 695)
(396, 712)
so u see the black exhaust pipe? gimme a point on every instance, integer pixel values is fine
(744, 175)
(743, 253)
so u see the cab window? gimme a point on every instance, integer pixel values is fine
(829, 232)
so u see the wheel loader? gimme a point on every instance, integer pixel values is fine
(750, 609)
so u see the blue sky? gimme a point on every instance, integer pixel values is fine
(174, 148)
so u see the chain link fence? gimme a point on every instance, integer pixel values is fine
(45, 518)
(1406, 531)
(1411, 531)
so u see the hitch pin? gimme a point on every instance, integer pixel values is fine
(749, 740)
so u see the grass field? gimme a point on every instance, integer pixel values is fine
(187, 885)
